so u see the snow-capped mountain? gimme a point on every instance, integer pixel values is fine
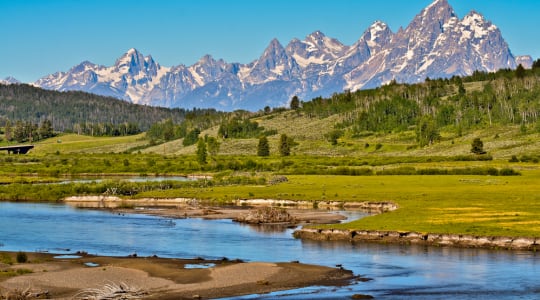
(9, 80)
(525, 60)
(437, 43)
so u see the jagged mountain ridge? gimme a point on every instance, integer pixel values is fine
(435, 44)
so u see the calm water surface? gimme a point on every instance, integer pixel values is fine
(398, 272)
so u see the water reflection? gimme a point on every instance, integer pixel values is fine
(268, 229)
(398, 271)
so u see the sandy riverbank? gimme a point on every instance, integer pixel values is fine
(158, 278)
(301, 211)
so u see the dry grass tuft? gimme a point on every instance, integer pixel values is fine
(23, 294)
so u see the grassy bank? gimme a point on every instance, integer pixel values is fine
(476, 205)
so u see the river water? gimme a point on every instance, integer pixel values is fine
(397, 272)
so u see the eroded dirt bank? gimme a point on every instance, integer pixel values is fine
(456, 240)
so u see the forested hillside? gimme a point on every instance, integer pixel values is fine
(508, 97)
(86, 113)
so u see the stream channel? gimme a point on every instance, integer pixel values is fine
(397, 272)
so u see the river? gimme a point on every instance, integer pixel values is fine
(397, 272)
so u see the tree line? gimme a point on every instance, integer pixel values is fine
(22, 132)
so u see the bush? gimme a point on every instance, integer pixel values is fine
(477, 146)
(21, 257)
(528, 158)
(492, 171)
(513, 159)
(479, 157)
(398, 171)
(352, 171)
(508, 172)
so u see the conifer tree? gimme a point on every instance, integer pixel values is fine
(201, 152)
(295, 103)
(426, 131)
(284, 145)
(46, 129)
(477, 146)
(263, 148)
(212, 145)
(520, 71)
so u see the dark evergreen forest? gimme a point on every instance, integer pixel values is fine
(86, 113)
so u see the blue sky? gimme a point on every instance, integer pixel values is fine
(40, 37)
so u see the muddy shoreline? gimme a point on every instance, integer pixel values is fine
(115, 202)
(156, 278)
(303, 212)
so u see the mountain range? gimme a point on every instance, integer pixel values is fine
(436, 44)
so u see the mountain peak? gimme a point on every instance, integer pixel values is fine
(130, 62)
(9, 80)
(474, 17)
(274, 48)
(274, 43)
(438, 11)
(85, 65)
(378, 25)
(437, 5)
(377, 35)
(132, 51)
(377, 28)
(316, 35)
(477, 24)
(206, 59)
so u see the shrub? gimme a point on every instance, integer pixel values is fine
(352, 171)
(492, 171)
(21, 257)
(479, 157)
(5, 259)
(477, 146)
(508, 172)
(398, 171)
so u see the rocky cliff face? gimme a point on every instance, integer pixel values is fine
(437, 43)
